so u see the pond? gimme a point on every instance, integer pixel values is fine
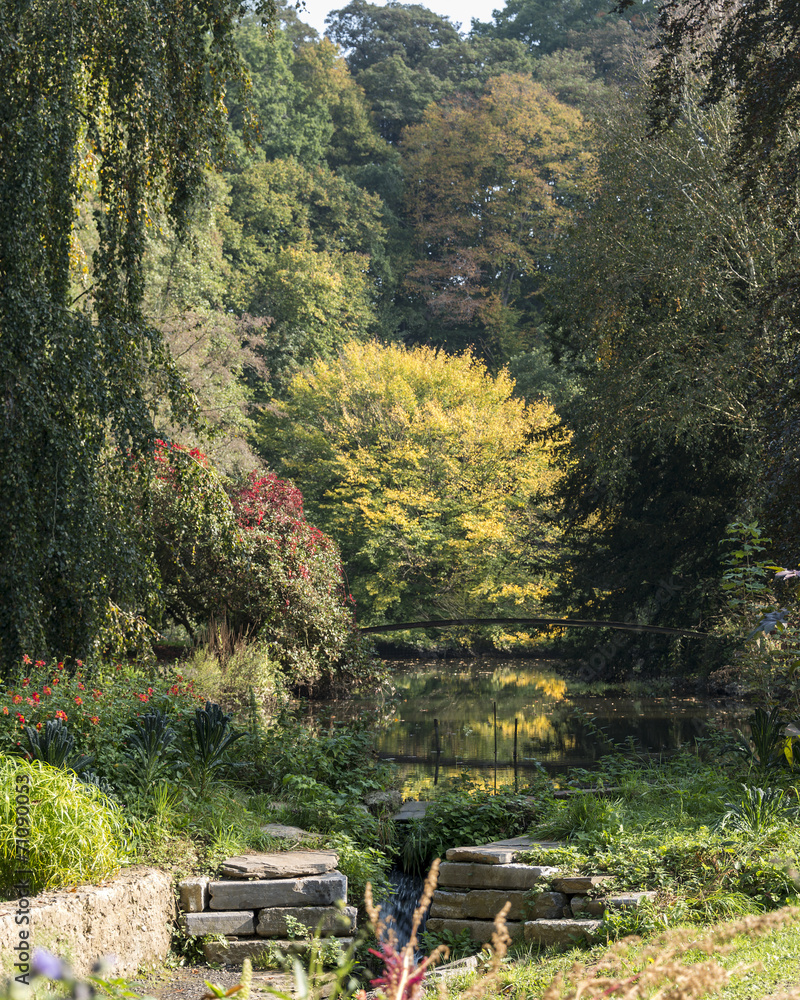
(445, 717)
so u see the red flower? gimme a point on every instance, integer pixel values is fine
(81, 686)
(21, 719)
(17, 699)
(38, 725)
(55, 680)
(5, 710)
(40, 663)
(149, 690)
(96, 694)
(26, 682)
(59, 666)
(36, 697)
(142, 697)
(79, 701)
(47, 690)
(93, 719)
(173, 689)
(27, 660)
(60, 714)
(79, 663)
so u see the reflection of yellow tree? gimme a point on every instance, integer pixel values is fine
(550, 685)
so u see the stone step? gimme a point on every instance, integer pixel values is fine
(315, 890)
(499, 852)
(288, 832)
(235, 950)
(280, 864)
(562, 932)
(411, 810)
(585, 906)
(324, 920)
(227, 922)
(573, 885)
(485, 904)
(480, 930)
(502, 876)
(194, 894)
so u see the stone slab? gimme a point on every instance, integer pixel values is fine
(480, 904)
(225, 922)
(316, 890)
(482, 855)
(547, 906)
(288, 832)
(327, 920)
(280, 864)
(629, 900)
(585, 906)
(411, 810)
(194, 894)
(234, 952)
(562, 932)
(476, 876)
(480, 930)
(574, 885)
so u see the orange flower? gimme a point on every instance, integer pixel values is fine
(93, 719)
(60, 714)
(79, 701)
(5, 710)
(17, 699)
(27, 660)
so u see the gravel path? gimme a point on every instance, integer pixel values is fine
(188, 983)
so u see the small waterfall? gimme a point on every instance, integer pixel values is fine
(398, 909)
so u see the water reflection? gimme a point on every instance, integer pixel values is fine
(555, 729)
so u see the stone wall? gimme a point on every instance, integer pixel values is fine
(131, 917)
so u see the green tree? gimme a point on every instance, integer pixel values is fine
(424, 468)
(749, 50)
(303, 243)
(660, 283)
(407, 58)
(548, 25)
(129, 94)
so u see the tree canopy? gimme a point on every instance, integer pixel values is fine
(426, 469)
(125, 97)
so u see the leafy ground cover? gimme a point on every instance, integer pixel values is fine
(169, 777)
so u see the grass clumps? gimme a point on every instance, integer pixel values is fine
(74, 832)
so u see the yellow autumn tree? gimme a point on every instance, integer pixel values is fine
(490, 180)
(429, 473)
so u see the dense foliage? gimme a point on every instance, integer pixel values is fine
(407, 181)
(426, 467)
(241, 554)
(125, 99)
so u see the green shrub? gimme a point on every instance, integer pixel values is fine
(76, 833)
(463, 814)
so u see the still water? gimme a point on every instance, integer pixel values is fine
(440, 721)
